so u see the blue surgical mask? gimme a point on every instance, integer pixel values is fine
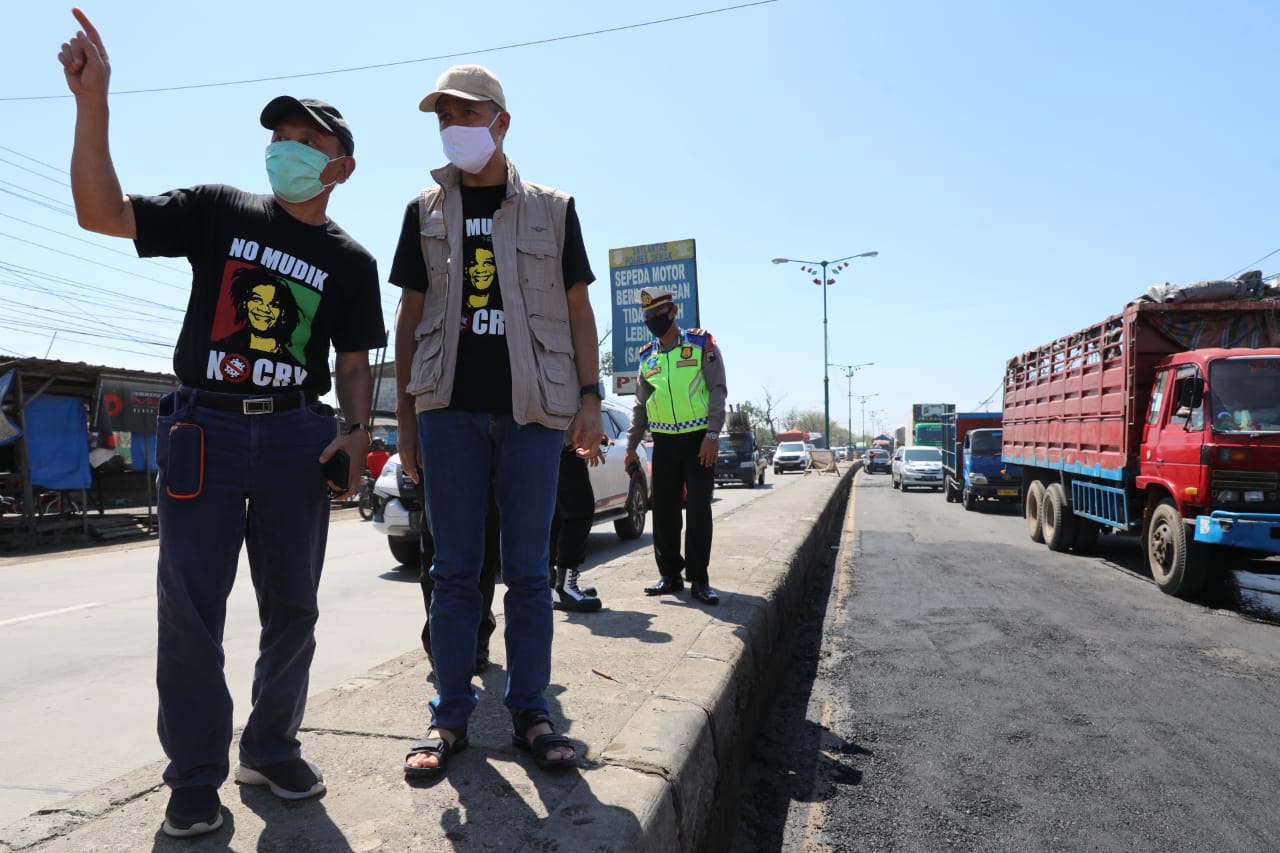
(294, 170)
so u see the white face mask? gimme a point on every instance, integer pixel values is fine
(468, 148)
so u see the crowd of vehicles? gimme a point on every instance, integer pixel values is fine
(1162, 420)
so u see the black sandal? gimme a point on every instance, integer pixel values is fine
(527, 718)
(437, 746)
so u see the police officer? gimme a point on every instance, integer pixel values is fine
(680, 400)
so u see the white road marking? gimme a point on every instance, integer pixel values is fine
(58, 612)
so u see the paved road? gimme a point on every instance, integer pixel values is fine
(975, 691)
(77, 648)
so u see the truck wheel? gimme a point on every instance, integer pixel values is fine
(1057, 523)
(633, 525)
(951, 492)
(407, 550)
(1086, 537)
(760, 482)
(967, 501)
(1031, 508)
(1177, 565)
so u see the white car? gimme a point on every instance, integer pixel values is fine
(916, 466)
(790, 456)
(621, 496)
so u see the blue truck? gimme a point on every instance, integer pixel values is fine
(972, 468)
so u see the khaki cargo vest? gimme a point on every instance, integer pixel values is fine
(528, 237)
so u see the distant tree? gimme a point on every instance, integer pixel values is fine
(606, 364)
(768, 408)
(807, 420)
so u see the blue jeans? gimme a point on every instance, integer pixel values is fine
(460, 452)
(262, 484)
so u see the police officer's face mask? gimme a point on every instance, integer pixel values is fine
(660, 323)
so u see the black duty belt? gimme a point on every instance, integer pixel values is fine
(246, 405)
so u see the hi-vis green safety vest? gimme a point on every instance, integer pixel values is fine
(681, 399)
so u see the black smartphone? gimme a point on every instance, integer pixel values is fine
(338, 470)
(184, 468)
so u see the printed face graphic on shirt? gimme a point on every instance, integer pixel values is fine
(482, 272)
(481, 297)
(261, 327)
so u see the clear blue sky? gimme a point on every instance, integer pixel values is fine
(1023, 169)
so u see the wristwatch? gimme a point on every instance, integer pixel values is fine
(713, 435)
(597, 389)
(357, 426)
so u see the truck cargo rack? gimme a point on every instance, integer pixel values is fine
(1107, 504)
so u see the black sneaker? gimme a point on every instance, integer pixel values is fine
(192, 811)
(295, 779)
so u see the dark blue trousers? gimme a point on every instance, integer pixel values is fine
(263, 487)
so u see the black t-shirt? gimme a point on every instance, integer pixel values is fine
(482, 378)
(268, 292)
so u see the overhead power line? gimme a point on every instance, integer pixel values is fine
(437, 58)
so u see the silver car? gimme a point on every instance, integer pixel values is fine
(916, 466)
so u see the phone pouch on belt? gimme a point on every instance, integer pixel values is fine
(184, 472)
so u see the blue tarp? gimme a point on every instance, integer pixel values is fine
(58, 442)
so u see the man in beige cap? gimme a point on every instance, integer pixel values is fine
(496, 356)
(680, 400)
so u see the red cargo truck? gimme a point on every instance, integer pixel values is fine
(1163, 420)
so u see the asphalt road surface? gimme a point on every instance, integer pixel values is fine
(957, 687)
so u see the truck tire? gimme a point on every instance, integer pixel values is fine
(407, 550)
(1057, 523)
(952, 493)
(968, 501)
(1086, 537)
(632, 525)
(1031, 510)
(760, 481)
(1177, 564)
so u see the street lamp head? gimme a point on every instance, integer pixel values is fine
(781, 260)
(867, 255)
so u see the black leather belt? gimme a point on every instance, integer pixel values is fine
(244, 404)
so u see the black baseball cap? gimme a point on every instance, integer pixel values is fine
(325, 115)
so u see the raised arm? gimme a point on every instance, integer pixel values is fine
(101, 206)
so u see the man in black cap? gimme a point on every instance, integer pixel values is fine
(242, 444)
(680, 400)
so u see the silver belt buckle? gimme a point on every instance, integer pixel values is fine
(258, 405)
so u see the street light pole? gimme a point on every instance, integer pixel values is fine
(838, 264)
(863, 398)
(849, 371)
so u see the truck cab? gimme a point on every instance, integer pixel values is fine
(984, 476)
(1211, 447)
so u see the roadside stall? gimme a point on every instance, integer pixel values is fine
(77, 451)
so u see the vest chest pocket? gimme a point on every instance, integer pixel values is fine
(538, 263)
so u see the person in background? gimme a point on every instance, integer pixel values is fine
(680, 399)
(570, 527)
(242, 444)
